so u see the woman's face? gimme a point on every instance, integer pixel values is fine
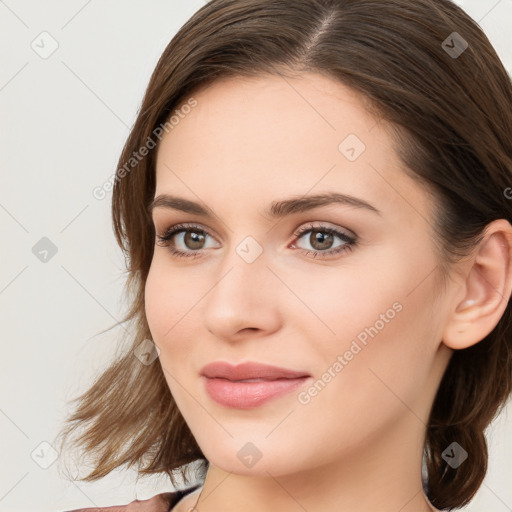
(355, 310)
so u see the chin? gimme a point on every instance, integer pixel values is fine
(255, 454)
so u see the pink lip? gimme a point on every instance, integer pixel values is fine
(222, 382)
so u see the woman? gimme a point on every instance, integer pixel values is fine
(313, 204)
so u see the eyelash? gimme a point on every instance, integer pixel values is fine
(165, 239)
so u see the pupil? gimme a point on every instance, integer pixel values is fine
(193, 240)
(325, 239)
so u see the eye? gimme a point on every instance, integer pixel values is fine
(190, 240)
(321, 239)
(193, 239)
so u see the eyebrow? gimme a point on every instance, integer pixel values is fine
(277, 209)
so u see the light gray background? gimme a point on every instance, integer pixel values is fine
(64, 120)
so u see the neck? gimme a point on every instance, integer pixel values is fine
(383, 475)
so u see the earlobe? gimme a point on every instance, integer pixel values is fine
(487, 289)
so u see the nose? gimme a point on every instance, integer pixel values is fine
(244, 298)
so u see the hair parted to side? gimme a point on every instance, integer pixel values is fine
(452, 121)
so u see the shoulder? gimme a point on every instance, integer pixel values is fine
(162, 502)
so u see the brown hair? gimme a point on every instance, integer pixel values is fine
(452, 116)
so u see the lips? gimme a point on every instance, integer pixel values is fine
(249, 370)
(249, 384)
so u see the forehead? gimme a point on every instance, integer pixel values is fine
(273, 136)
(276, 111)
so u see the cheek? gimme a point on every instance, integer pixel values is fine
(382, 357)
(381, 323)
(163, 306)
(155, 299)
(166, 299)
(171, 306)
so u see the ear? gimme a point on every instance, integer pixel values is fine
(486, 288)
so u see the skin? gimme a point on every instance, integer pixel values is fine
(357, 445)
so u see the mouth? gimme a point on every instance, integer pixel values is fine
(249, 385)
